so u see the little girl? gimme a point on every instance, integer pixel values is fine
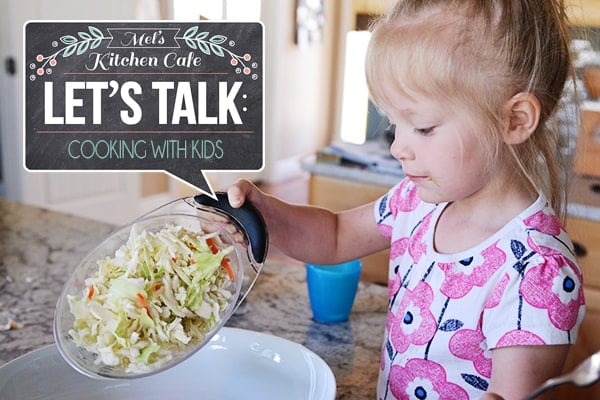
(485, 294)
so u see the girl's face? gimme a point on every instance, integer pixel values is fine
(439, 148)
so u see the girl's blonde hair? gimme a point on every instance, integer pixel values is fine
(477, 54)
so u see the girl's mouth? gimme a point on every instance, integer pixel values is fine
(418, 178)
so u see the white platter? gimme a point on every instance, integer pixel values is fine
(235, 364)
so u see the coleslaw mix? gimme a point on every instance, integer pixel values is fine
(160, 292)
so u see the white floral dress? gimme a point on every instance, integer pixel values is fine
(446, 312)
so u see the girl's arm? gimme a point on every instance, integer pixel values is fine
(519, 370)
(313, 234)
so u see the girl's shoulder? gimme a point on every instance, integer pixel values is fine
(535, 237)
(542, 231)
(541, 279)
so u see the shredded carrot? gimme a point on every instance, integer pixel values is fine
(225, 264)
(90, 292)
(225, 261)
(212, 245)
(143, 302)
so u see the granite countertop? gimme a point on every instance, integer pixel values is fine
(40, 248)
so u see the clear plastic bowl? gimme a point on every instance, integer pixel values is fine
(197, 218)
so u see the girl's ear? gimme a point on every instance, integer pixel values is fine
(523, 111)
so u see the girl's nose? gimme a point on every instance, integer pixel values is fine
(400, 148)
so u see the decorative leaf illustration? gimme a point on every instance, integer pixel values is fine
(68, 39)
(389, 349)
(190, 32)
(83, 47)
(204, 48)
(218, 39)
(96, 43)
(88, 40)
(517, 248)
(217, 50)
(451, 325)
(96, 32)
(70, 50)
(190, 43)
(73, 44)
(475, 381)
(216, 45)
(382, 205)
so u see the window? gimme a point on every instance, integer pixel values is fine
(355, 97)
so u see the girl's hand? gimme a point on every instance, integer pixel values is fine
(241, 191)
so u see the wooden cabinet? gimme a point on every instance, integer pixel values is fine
(342, 194)
(586, 234)
(587, 159)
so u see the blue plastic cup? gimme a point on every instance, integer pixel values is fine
(331, 290)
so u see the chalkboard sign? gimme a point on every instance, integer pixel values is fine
(179, 97)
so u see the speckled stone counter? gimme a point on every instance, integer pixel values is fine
(40, 248)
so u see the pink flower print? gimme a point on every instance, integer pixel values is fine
(460, 277)
(389, 321)
(398, 248)
(545, 223)
(423, 379)
(519, 337)
(394, 286)
(386, 230)
(470, 344)
(416, 245)
(413, 322)
(404, 198)
(556, 285)
(494, 298)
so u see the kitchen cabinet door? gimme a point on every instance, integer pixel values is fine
(340, 194)
(586, 234)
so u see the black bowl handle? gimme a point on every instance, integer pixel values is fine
(247, 216)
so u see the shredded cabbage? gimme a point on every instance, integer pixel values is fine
(160, 292)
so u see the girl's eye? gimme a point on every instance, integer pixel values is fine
(424, 131)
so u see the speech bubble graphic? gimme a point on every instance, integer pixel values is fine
(144, 96)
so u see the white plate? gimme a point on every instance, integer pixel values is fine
(235, 364)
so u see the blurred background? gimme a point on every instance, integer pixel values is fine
(316, 103)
